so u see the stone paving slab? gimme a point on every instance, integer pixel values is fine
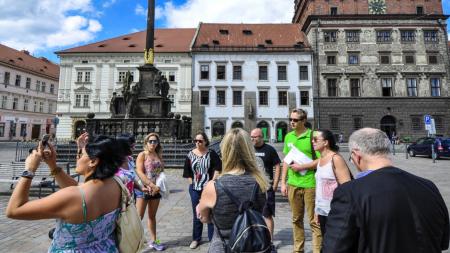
(175, 214)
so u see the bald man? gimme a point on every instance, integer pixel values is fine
(271, 160)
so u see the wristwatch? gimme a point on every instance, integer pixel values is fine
(28, 174)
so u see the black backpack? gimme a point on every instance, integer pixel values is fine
(249, 232)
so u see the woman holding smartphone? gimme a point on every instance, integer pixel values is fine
(149, 165)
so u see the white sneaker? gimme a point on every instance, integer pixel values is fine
(193, 245)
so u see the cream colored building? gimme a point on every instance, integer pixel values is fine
(91, 73)
(28, 88)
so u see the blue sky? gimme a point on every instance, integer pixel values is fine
(44, 27)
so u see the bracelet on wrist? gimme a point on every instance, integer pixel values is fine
(55, 171)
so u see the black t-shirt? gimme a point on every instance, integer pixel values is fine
(269, 156)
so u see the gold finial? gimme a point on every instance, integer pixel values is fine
(148, 56)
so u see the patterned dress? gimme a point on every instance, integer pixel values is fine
(88, 237)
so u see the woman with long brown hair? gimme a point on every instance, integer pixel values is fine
(149, 165)
(239, 175)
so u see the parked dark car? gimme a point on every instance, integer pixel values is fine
(423, 147)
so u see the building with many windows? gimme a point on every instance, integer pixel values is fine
(379, 63)
(28, 88)
(249, 75)
(91, 73)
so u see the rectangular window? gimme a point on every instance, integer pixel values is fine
(282, 73)
(86, 100)
(204, 97)
(438, 123)
(386, 87)
(357, 123)
(355, 87)
(78, 100)
(385, 59)
(430, 36)
(352, 36)
(25, 104)
(263, 97)
(237, 97)
(35, 106)
(237, 72)
(419, 10)
(220, 97)
(43, 87)
(28, 83)
(87, 77)
(416, 123)
(2, 129)
(262, 73)
(384, 36)
(204, 72)
(79, 77)
(23, 130)
(50, 108)
(15, 103)
(17, 83)
(432, 59)
(411, 84)
(4, 102)
(332, 87)
(221, 72)
(333, 11)
(304, 75)
(334, 123)
(409, 59)
(408, 35)
(435, 87)
(353, 59)
(52, 88)
(330, 36)
(331, 59)
(282, 97)
(122, 75)
(41, 107)
(171, 76)
(6, 78)
(38, 85)
(304, 97)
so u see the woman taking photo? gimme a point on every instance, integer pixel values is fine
(149, 166)
(87, 213)
(239, 175)
(201, 166)
(331, 172)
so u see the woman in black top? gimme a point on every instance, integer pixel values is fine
(201, 166)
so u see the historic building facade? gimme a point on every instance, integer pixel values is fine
(250, 75)
(91, 73)
(378, 63)
(28, 88)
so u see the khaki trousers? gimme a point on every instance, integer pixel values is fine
(299, 198)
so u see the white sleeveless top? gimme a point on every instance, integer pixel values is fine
(325, 185)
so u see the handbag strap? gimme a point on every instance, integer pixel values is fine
(334, 169)
(126, 199)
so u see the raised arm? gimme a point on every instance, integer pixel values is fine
(62, 179)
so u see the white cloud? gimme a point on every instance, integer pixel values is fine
(108, 3)
(231, 11)
(140, 10)
(47, 24)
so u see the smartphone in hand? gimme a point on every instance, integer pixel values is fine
(44, 144)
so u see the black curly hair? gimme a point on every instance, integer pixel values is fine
(110, 153)
(126, 140)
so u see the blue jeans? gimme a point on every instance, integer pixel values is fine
(197, 225)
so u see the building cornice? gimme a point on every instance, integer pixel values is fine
(56, 79)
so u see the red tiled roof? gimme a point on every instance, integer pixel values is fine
(241, 37)
(166, 41)
(23, 60)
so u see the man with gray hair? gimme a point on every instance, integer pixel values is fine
(386, 209)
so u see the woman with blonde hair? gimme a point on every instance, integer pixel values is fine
(239, 175)
(149, 165)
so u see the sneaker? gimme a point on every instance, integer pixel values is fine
(193, 245)
(157, 245)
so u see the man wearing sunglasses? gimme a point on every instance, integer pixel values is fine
(386, 209)
(271, 160)
(299, 188)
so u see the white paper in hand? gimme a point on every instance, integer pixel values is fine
(297, 156)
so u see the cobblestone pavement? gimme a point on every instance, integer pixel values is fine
(175, 216)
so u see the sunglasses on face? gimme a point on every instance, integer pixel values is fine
(255, 137)
(199, 141)
(153, 142)
(296, 120)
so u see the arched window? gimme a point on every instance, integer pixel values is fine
(237, 124)
(218, 129)
(265, 129)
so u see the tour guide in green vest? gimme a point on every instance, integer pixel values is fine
(300, 189)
